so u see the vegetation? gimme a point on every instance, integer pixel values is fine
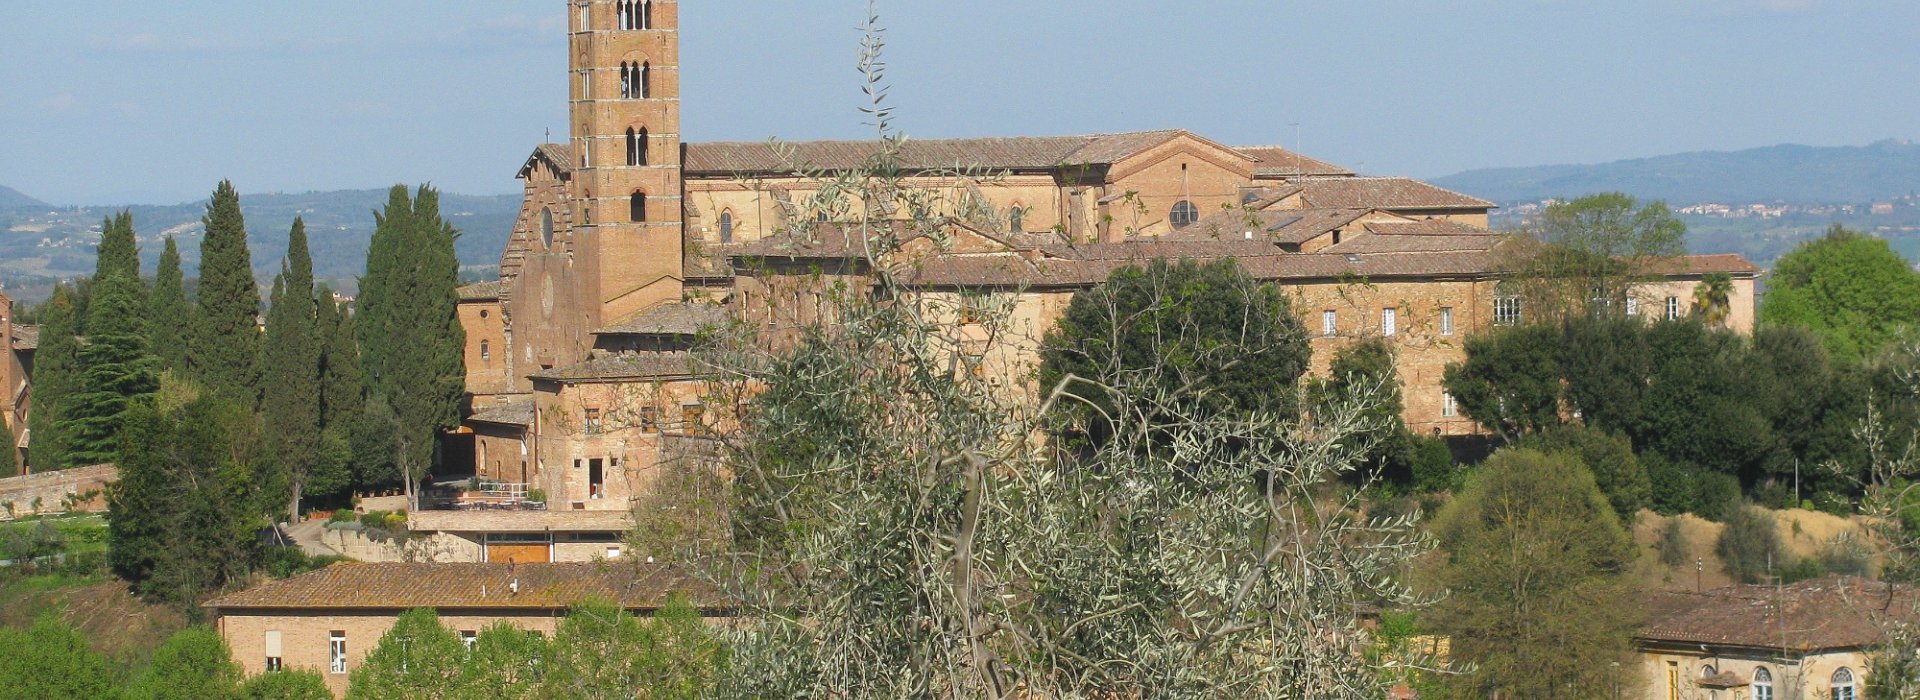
(170, 314)
(1750, 548)
(292, 364)
(1535, 560)
(116, 367)
(55, 373)
(226, 340)
(1609, 456)
(1849, 288)
(194, 664)
(51, 661)
(1585, 256)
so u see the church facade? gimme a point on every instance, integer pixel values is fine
(630, 241)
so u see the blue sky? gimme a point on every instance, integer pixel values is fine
(116, 101)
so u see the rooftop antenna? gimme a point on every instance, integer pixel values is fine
(549, 137)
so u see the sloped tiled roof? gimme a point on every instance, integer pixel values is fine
(1425, 227)
(559, 156)
(1376, 243)
(1821, 614)
(405, 586)
(1294, 226)
(26, 337)
(684, 318)
(481, 291)
(518, 413)
(1277, 162)
(1731, 263)
(1024, 153)
(1384, 193)
(624, 366)
(1015, 271)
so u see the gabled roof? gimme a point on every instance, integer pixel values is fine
(558, 156)
(1818, 615)
(1018, 153)
(405, 586)
(519, 413)
(1290, 226)
(1397, 243)
(682, 319)
(481, 291)
(623, 366)
(1384, 193)
(26, 337)
(1279, 163)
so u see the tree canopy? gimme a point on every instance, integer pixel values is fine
(409, 327)
(1587, 254)
(226, 340)
(1851, 289)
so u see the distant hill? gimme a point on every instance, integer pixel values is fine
(1789, 173)
(11, 198)
(41, 245)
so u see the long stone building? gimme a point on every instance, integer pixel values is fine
(631, 240)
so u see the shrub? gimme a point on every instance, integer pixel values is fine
(1846, 555)
(1433, 468)
(1750, 545)
(343, 515)
(1674, 547)
(1610, 457)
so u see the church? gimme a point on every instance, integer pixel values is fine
(630, 241)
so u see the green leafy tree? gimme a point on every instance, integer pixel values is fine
(1608, 367)
(1586, 255)
(184, 516)
(1750, 547)
(116, 369)
(1538, 603)
(52, 661)
(410, 335)
(1712, 298)
(1510, 381)
(342, 402)
(1609, 457)
(1364, 374)
(9, 456)
(1703, 404)
(417, 659)
(289, 685)
(505, 663)
(601, 651)
(226, 341)
(193, 664)
(1851, 289)
(171, 317)
(1217, 339)
(55, 379)
(292, 366)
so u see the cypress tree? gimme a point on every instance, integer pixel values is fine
(114, 367)
(54, 366)
(9, 456)
(226, 342)
(170, 316)
(343, 387)
(291, 368)
(411, 334)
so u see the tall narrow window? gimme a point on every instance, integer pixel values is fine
(626, 81)
(586, 85)
(646, 80)
(726, 227)
(640, 147)
(586, 18)
(633, 147)
(644, 13)
(1762, 684)
(1389, 322)
(1329, 323)
(1844, 687)
(337, 651)
(468, 638)
(1184, 214)
(546, 227)
(1673, 308)
(1449, 408)
(486, 351)
(626, 14)
(1446, 321)
(1016, 219)
(273, 650)
(593, 423)
(596, 478)
(1633, 306)
(637, 207)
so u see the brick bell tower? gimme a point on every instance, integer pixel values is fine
(625, 113)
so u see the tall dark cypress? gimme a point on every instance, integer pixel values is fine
(170, 319)
(410, 328)
(226, 342)
(115, 369)
(291, 369)
(343, 387)
(53, 383)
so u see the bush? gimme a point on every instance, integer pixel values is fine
(343, 515)
(1433, 468)
(1750, 545)
(1678, 488)
(1802, 569)
(1674, 547)
(1610, 457)
(1846, 555)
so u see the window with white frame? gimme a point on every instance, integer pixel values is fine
(1633, 306)
(1449, 407)
(1389, 322)
(1762, 684)
(1506, 311)
(1844, 686)
(337, 651)
(468, 638)
(1446, 321)
(1673, 308)
(273, 650)
(1329, 323)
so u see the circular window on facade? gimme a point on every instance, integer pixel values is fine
(546, 227)
(1184, 214)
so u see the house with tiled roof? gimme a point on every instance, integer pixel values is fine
(1804, 641)
(327, 621)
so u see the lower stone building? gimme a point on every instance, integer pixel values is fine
(1805, 641)
(327, 621)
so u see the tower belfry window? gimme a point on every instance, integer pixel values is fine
(646, 81)
(644, 14)
(638, 207)
(636, 147)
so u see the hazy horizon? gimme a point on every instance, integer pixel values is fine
(152, 104)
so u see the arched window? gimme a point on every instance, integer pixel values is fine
(626, 81)
(1762, 684)
(486, 351)
(1016, 219)
(1844, 687)
(546, 227)
(726, 227)
(644, 14)
(645, 88)
(637, 207)
(633, 147)
(820, 217)
(640, 147)
(1184, 214)
(626, 14)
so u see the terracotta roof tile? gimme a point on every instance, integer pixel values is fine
(26, 337)
(405, 586)
(1290, 226)
(481, 291)
(1375, 243)
(1277, 162)
(684, 318)
(625, 365)
(1830, 613)
(1384, 193)
(1004, 153)
(559, 156)
(517, 413)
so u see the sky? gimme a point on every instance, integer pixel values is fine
(121, 102)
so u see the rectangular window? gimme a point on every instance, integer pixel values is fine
(593, 421)
(1673, 308)
(337, 651)
(649, 419)
(273, 650)
(1506, 311)
(586, 85)
(1446, 321)
(1329, 323)
(596, 478)
(1448, 407)
(1633, 306)
(468, 637)
(1389, 322)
